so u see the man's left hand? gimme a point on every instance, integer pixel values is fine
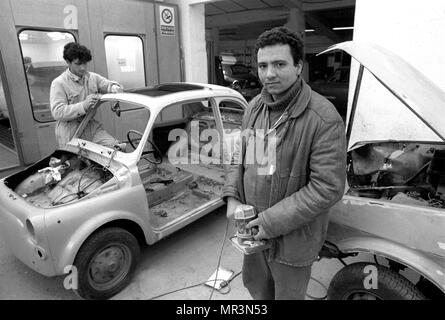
(262, 234)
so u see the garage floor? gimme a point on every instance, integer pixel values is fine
(186, 258)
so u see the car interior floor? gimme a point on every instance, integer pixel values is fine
(174, 190)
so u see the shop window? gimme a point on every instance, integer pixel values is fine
(125, 60)
(42, 53)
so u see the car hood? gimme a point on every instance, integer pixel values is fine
(409, 106)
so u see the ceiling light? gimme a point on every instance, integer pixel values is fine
(56, 36)
(343, 28)
(309, 30)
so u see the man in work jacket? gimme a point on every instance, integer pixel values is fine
(294, 193)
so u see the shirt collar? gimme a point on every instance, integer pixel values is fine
(74, 77)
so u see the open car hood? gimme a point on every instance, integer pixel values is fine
(390, 87)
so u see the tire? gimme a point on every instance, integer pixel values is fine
(349, 284)
(105, 263)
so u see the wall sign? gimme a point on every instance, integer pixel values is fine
(167, 21)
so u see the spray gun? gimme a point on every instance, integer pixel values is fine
(244, 238)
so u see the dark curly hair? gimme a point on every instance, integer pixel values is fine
(282, 35)
(73, 51)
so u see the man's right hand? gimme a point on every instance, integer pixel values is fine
(232, 203)
(90, 101)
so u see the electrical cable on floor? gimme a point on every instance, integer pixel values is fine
(197, 285)
(226, 283)
(318, 298)
(219, 258)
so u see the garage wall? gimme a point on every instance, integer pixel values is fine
(193, 43)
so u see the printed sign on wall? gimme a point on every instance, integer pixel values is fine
(167, 21)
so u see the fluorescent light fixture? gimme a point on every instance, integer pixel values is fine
(309, 30)
(23, 36)
(343, 28)
(56, 36)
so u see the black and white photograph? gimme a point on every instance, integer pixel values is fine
(222, 150)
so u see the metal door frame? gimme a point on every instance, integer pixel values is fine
(12, 119)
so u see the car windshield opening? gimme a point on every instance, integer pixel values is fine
(111, 123)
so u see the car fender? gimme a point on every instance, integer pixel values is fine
(427, 266)
(88, 228)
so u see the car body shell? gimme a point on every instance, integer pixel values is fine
(47, 240)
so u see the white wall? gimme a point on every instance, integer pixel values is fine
(193, 41)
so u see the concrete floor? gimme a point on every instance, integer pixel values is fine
(186, 258)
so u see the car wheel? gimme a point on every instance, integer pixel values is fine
(350, 284)
(105, 263)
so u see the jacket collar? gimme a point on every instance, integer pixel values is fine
(74, 77)
(282, 101)
(301, 101)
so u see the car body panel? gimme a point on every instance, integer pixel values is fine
(352, 240)
(13, 229)
(418, 227)
(69, 226)
(400, 83)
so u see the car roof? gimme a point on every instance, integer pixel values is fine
(168, 93)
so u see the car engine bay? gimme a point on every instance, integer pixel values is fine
(407, 173)
(59, 179)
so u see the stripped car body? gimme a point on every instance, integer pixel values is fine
(46, 226)
(394, 206)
